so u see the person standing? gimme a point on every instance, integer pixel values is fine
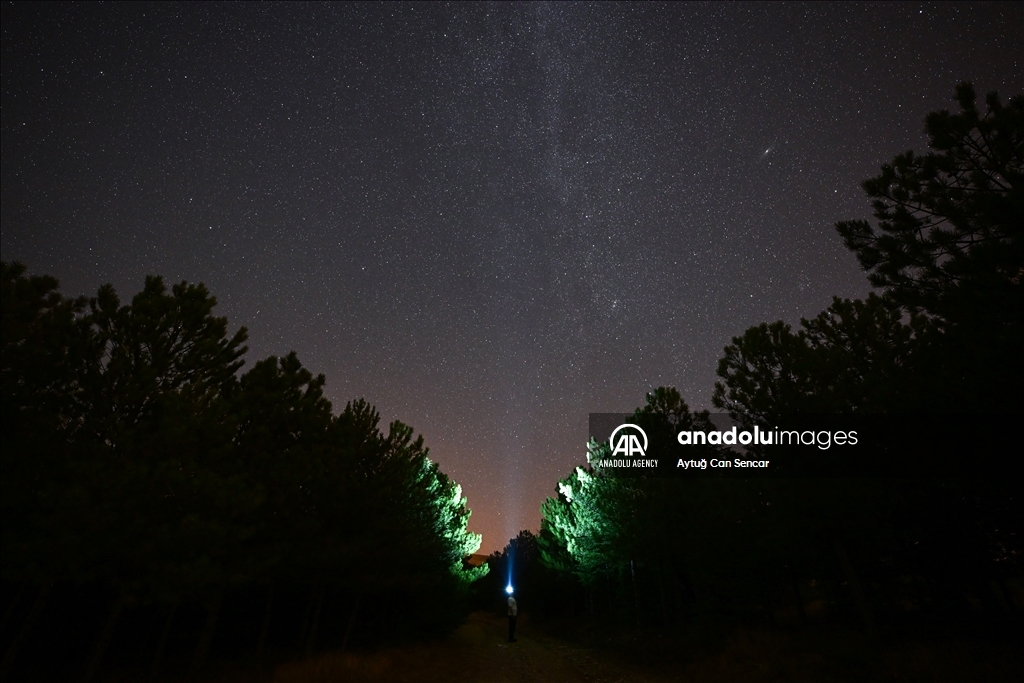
(513, 612)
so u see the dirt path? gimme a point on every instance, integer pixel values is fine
(478, 652)
(530, 658)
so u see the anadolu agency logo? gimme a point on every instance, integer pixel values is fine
(628, 448)
(627, 444)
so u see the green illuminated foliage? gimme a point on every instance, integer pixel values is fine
(944, 336)
(136, 457)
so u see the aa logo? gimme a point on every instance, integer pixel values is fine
(628, 444)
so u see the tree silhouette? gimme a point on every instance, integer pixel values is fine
(139, 465)
(949, 222)
(950, 243)
(855, 356)
(944, 336)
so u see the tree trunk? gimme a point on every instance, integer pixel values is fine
(382, 623)
(9, 612)
(165, 633)
(677, 593)
(997, 591)
(204, 641)
(100, 647)
(796, 592)
(351, 622)
(316, 621)
(661, 589)
(26, 630)
(636, 595)
(305, 618)
(858, 591)
(266, 625)
(691, 591)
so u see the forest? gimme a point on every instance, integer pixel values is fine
(940, 342)
(158, 502)
(147, 479)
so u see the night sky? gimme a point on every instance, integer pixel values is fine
(489, 220)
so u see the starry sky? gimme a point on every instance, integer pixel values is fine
(487, 219)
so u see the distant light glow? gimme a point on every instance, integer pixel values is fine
(508, 589)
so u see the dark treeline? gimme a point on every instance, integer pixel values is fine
(943, 335)
(160, 505)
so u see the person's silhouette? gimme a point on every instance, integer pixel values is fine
(513, 612)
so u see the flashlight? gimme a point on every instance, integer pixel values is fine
(508, 589)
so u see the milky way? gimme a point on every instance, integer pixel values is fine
(489, 220)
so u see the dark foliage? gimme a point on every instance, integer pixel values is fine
(949, 243)
(943, 336)
(142, 471)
